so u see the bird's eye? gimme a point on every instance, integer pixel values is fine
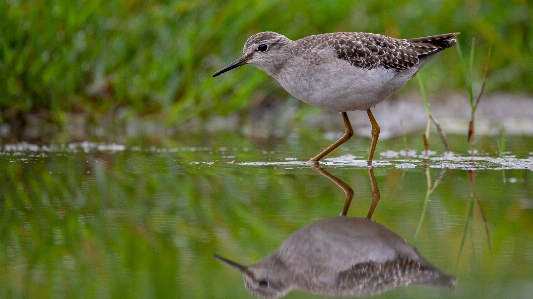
(262, 47)
(263, 283)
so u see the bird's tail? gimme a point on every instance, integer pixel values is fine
(429, 45)
(438, 279)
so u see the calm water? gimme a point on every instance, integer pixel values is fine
(129, 221)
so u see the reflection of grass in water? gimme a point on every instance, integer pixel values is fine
(429, 190)
(465, 229)
(142, 222)
(469, 220)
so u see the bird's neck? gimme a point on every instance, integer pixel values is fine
(276, 66)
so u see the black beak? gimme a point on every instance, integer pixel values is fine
(234, 265)
(236, 63)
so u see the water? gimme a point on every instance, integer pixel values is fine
(129, 221)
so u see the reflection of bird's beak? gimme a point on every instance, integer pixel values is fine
(234, 265)
(236, 63)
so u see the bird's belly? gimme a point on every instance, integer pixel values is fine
(343, 87)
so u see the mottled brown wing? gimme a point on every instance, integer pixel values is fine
(367, 50)
(371, 278)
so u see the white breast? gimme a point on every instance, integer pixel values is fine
(333, 84)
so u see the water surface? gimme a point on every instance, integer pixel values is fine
(133, 221)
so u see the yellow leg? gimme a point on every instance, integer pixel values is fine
(376, 197)
(375, 136)
(348, 191)
(347, 135)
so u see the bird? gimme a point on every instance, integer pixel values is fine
(340, 256)
(341, 71)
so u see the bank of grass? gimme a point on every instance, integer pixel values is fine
(152, 58)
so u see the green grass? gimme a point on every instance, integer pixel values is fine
(501, 143)
(151, 58)
(468, 69)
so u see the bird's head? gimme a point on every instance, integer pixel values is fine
(265, 50)
(262, 280)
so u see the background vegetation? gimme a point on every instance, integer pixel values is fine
(84, 221)
(155, 58)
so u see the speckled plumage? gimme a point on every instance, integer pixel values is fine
(373, 66)
(342, 71)
(341, 256)
(366, 50)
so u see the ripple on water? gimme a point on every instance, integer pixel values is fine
(404, 159)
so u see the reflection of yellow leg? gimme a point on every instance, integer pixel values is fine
(347, 135)
(347, 190)
(375, 136)
(375, 193)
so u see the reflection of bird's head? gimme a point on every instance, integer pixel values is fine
(265, 284)
(263, 280)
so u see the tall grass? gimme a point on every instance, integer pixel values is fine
(431, 118)
(156, 58)
(467, 68)
(501, 143)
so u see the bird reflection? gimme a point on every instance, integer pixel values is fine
(349, 192)
(341, 256)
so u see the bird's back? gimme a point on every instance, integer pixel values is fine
(341, 242)
(355, 256)
(369, 50)
(347, 71)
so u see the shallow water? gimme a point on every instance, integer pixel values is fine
(128, 221)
